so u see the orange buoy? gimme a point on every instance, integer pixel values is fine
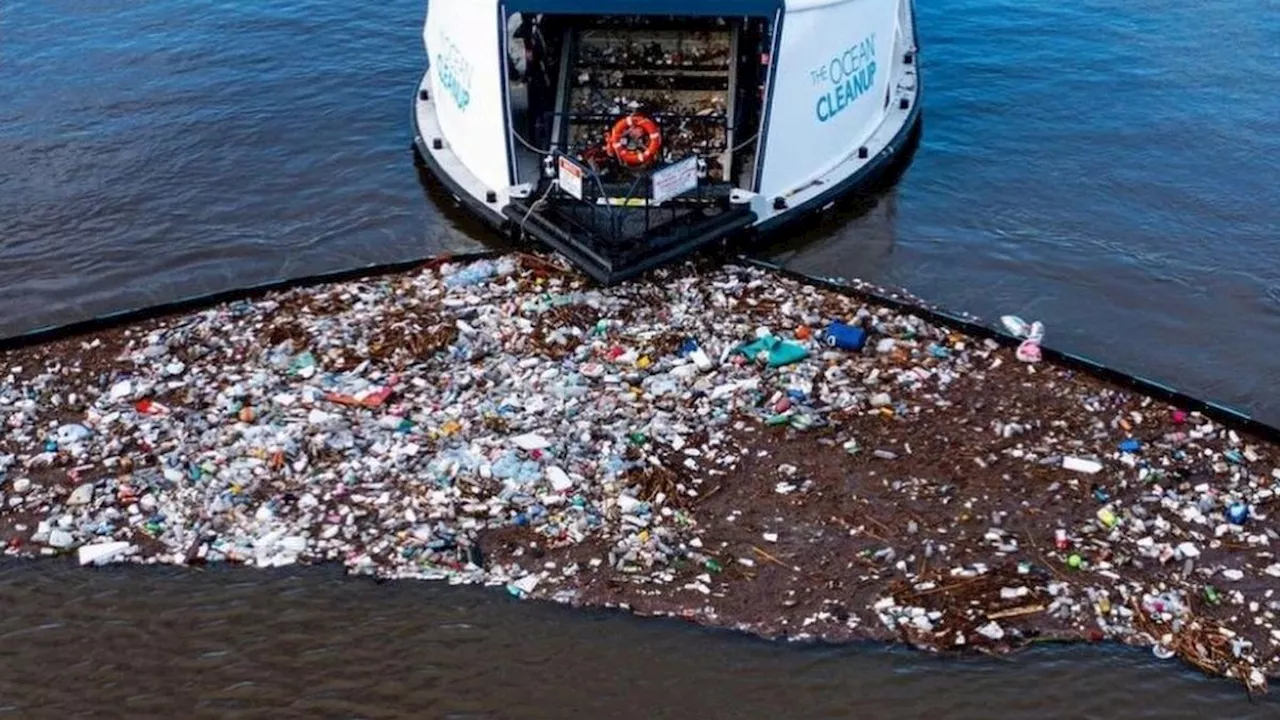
(635, 140)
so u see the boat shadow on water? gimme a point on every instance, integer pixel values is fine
(456, 230)
(862, 225)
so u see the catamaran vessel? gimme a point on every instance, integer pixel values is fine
(627, 133)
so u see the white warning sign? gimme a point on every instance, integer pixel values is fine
(570, 177)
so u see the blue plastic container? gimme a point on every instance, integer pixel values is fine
(845, 337)
(1238, 513)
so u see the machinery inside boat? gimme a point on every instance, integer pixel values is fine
(631, 132)
(701, 80)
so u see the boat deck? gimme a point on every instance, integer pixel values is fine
(613, 243)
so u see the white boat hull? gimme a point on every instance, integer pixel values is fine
(823, 136)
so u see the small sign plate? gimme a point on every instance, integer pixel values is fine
(570, 177)
(675, 179)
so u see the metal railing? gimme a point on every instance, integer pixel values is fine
(618, 216)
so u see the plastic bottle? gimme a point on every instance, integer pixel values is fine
(472, 274)
(529, 472)
(1020, 328)
(506, 467)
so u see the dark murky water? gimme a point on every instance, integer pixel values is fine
(138, 642)
(1105, 167)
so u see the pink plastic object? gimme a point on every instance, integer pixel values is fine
(1028, 351)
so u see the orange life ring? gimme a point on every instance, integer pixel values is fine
(624, 140)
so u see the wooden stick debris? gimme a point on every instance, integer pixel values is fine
(773, 559)
(703, 498)
(1015, 612)
(944, 588)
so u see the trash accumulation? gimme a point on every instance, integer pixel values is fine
(728, 446)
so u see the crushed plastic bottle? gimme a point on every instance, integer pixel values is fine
(477, 272)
